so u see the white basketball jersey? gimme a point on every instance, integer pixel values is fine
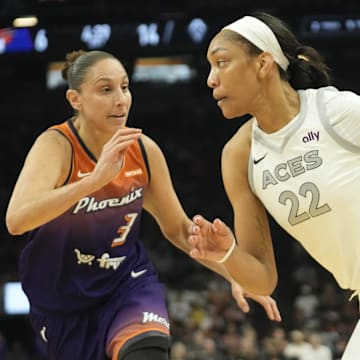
(308, 178)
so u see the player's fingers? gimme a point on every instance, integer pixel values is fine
(123, 135)
(198, 220)
(242, 302)
(193, 240)
(127, 138)
(127, 131)
(122, 146)
(268, 310)
(196, 243)
(271, 308)
(274, 309)
(220, 227)
(194, 253)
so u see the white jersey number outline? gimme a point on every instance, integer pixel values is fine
(125, 229)
(314, 208)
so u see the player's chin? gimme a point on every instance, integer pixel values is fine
(229, 115)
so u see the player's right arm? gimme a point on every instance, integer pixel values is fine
(39, 197)
(252, 262)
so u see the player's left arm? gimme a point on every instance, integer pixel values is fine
(161, 200)
(162, 203)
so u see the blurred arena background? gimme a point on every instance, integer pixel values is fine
(163, 45)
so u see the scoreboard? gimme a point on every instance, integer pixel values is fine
(132, 38)
(168, 49)
(164, 35)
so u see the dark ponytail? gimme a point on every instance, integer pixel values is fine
(307, 68)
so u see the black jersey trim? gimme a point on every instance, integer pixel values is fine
(143, 151)
(75, 132)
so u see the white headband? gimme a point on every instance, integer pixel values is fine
(259, 34)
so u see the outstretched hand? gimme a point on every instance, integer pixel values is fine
(209, 241)
(267, 302)
(111, 158)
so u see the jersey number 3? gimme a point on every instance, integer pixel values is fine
(124, 230)
(314, 208)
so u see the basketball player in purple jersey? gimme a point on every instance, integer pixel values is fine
(93, 292)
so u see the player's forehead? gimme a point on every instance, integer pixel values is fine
(109, 68)
(223, 42)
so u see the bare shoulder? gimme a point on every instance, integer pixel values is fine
(147, 140)
(151, 147)
(52, 140)
(239, 144)
(235, 167)
(51, 152)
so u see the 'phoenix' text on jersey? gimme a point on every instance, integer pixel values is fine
(89, 204)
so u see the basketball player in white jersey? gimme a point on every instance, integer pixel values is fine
(297, 157)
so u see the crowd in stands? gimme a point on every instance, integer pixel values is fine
(207, 324)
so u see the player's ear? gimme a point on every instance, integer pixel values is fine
(265, 62)
(73, 98)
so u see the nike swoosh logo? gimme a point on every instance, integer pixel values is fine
(42, 333)
(81, 174)
(136, 274)
(256, 161)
